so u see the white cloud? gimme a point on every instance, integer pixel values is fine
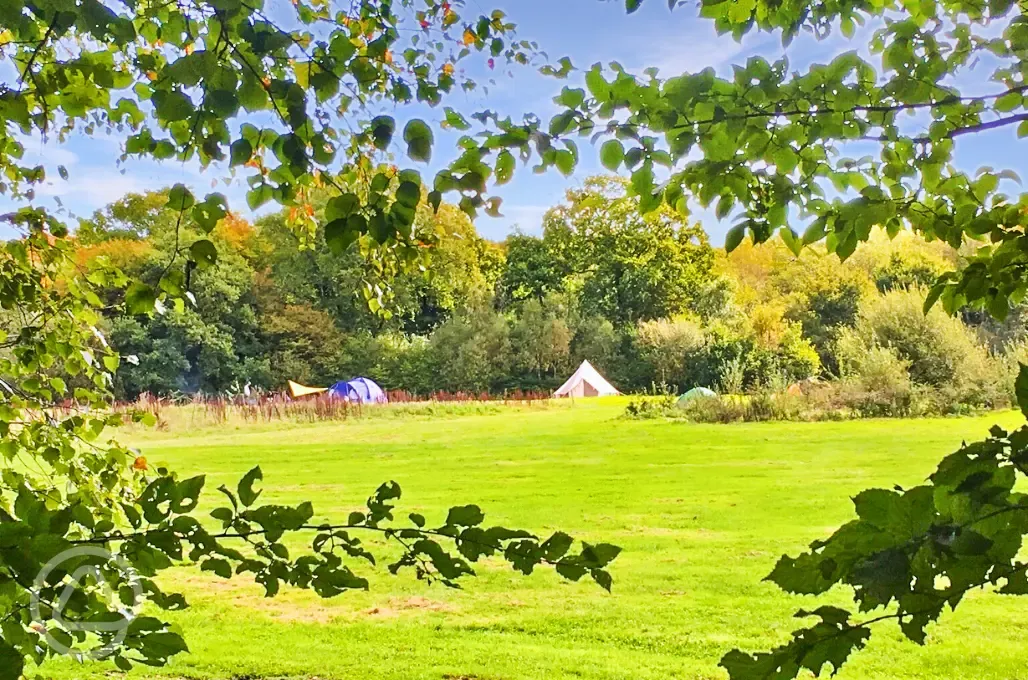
(526, 218)
(50, 155)
(699, 48)
(96, 186)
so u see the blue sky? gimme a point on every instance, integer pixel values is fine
(587, 31)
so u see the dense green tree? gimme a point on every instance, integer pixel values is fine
(459, 267)
(208, 345)
(160, 366)
(471, 351)
(132, 217)
(531, 271)
(595, 340)
(541, 339)
(629, 266)
(824, 298)
(304, 345)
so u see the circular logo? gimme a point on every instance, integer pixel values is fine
(82, 573)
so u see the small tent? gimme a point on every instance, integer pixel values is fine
(296, 390)
(694, 394)
(586, 382)
(360, 390)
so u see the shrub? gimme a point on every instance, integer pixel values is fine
(760, 406)
(875, 381)
(939, 349)
(652, 407)
(733, 377)
(668, 345)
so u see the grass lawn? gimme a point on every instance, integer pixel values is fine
(702, 511)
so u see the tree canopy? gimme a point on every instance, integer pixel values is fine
(630, 266)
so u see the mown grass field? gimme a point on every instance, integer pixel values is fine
(702, 512)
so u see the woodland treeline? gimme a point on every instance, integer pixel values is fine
(645, 298)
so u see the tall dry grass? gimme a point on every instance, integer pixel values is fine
(203, 411)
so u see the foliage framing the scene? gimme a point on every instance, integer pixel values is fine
(765, 142)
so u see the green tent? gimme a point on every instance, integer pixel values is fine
(694, 394)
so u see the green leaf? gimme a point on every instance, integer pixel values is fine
(565, 161)
(456, 120)
(571, 98)
(597, 85)
(180, 198)
(1021, 388)
(933, 296)
(342, 232)
(1009, 102)
(734, 237)
(222, 514)
(556, 546)
(435, 199)
(212, 210)
(252, 95)
(171, 106)
(603, 578)
(382, 130)
(848, 27)
(240, 152)
(791, 240)
(140, 298)
(247, 496)
(611, 154)
(341, 207)
(504, 167)
(601, 554)
(187, 494)
(1017, 584)
(408, 194)
(465, 516)
(12, 663)
(561, 123)
(419, 140)
(219, 566)
(259, 195)
(740, 11)
(204, 253)
(163, 645)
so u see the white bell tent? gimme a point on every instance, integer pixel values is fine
(586, 382)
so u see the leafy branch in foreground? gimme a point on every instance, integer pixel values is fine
(164, 532)
(912, 552)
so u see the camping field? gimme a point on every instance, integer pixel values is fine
(702, 511)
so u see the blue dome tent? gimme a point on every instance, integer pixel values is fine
(360, 390)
